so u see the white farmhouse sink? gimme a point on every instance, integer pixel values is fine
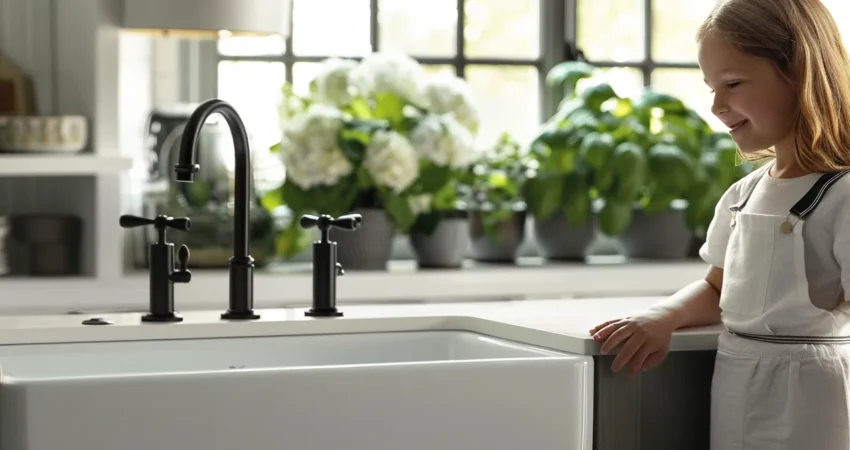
(368, 391)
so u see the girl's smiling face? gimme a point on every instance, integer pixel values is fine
(751, 96)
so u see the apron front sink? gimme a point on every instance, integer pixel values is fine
(411, 390)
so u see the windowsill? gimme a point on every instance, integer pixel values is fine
(291, 285)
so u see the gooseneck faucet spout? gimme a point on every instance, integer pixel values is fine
(241, 306)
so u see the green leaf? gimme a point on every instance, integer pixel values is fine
(364, 179)
(568, 73)
(614, 217)
(597, 149)
(353, 149)
(335, 200)
(576, 199)
(294, 197)
(361, 130)
(445, 198)
(426, 223)
(275, 148)
(431, 178)
(272, 199)
(398, 210)
(292, 240)
(390, 107)
(594, 96)
(360, 108)
(544, 195)
(651, 99)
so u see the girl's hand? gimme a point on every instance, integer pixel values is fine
(645, 340)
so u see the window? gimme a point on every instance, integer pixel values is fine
(647, 43)
(503, 48)
(494, 44)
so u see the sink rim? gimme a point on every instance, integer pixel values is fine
(328, 349)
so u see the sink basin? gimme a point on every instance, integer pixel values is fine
(399, 390)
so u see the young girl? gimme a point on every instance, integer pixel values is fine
(779, 244)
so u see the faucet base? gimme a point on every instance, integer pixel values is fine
(240, 315)
(170, 317)
(323, 313)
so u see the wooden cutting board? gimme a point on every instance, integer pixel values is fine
(17, 97)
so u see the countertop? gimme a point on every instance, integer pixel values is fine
(559, 324)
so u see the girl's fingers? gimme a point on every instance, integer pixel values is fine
(638, 360)
(602, 325)
(608, 330)
(632, 345)
(620, 334)
(654, 359)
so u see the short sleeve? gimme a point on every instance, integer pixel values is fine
(841, 248)
(713, 251)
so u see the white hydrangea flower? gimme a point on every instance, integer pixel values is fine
(331, 83)
(310, 150)
(395, 73)
(447, 93)
(391, 160)
(290, 105)
(444, 141)
(420, 204)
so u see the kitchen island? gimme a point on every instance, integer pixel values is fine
(666, 408)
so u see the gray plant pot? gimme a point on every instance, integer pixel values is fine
(370, 246)
(445, 248)
(558, 240)
(501, 247)
(662, 235)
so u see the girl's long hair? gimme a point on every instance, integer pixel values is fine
(803, 42)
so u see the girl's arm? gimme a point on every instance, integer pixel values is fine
(644, 339)
(697, 304)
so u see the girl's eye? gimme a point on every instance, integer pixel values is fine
(729, 85)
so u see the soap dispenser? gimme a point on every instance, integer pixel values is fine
(325, 266)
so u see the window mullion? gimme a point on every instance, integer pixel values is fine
(557, 31)
(647, 43)
(460, 43)
(289, 55)
(374, 28)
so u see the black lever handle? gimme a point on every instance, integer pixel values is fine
(348, 222)
(161, 222)
(325, 222)
(182, 274)
(130, 221)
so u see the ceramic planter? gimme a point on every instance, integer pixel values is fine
(559, 240)
(500, 246)
(663, 235)
(370, 246)
(445, 248)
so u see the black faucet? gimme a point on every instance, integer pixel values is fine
(325, 266)
(241, 306)
(162, 272)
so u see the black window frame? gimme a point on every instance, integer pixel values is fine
(552, 48)
(648, 65)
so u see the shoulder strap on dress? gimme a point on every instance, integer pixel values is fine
(807, 204)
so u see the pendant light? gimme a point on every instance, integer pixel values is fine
(207, 18)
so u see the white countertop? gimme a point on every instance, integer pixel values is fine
(560, 324)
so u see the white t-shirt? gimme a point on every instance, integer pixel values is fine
(826, 235)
